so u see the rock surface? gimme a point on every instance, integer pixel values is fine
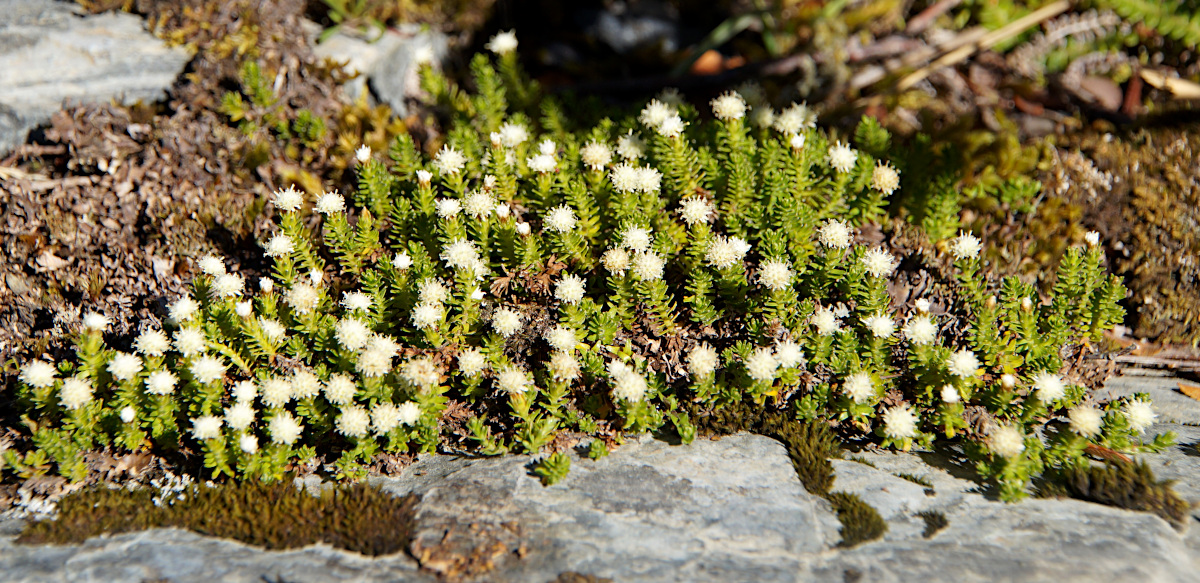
(726, 510)
(387, 66)
(50, 53)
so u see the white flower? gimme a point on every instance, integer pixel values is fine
(842, 157)
(1049, 387)
(1008, 381)
(541, 163)
(616, 260)
(1092, 238)
(859, 387)
(279, 246)
(762, 116)
(207, 369)
(825, 321)
(97, 322)
(206, 427)
(900, 422)
(625, 178)
(424, 176)
(239, 416)
(762, 364)
(305, 384)
(245, 391)
(448, 208)
(695, 210)
(288, 200)
(402, 261)
(950, 394)
(427, 315)
(432, 291)
(276, 392)
(75, 392)
(1006, 441)
(352, 334)
(330, 203)
(655, 113)
(421, 372)
(788, 354)
(921, 330)
(356, 301)
(284, 428)
(724, 253)
(702, 361)
(564, 367)
(503, 210)
(630, 146)
(835, 234)
(152, 343)
(629, 385)
(228, 285)
(962, 364)
(128, 414)
(384, 418)
(244, 309)
(775, 275)
(248, 443)
(728, 106)
(190, 341)
(965, 246)
(471, 362)
(796, 141)
(460, 254)
(506, 322)
(1085, 420)
(636, 238)
(340, 389)
(513, 134)
(479, 204)
(885, 179)
(449, 161)
(880, 326)
(211, 265)
(315, 276)
(408, 413)
(672, 127)
(273, 329)
(561, 338)
(511, 379)
(595, 155)
(569, 289)
(183, 309)
(38, 373)
(648, 266)
(922, 305)
(795, 118)
(878, 262)
(353, 422)
(561, 219)
(547, 147)
(523, 228)
(266, 285)
(303, 298)
(503, 42)
(161, 382)
(1140, 415)
(363, 153)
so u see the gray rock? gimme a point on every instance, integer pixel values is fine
(387, 66)
(50, 54)
(727, 510)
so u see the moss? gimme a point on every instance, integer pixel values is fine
(934, 522)
(1131, 486)
(357, 518)
(922, 480)
(573, 577)
(860, 522)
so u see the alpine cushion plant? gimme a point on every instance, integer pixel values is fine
(548, 282)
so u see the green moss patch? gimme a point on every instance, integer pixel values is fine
(1131, 486)
(356, 518)
(934, 522)
(860, 522)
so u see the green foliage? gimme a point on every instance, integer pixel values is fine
(358, 518)
(1125, 485)
(860, 522)
(552, 468)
